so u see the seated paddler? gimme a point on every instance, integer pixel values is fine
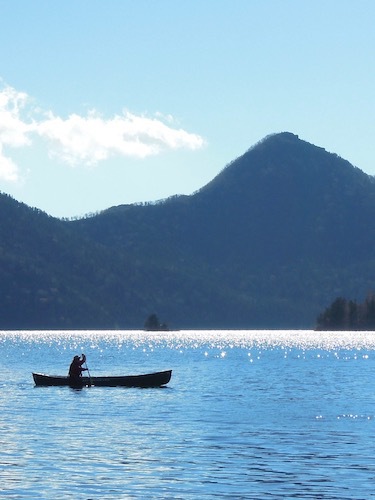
(76, 369)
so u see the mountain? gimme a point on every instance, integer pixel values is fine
(268, 243)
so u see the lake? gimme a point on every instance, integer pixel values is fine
(246, 415)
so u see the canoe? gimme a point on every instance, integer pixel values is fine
(157, 379)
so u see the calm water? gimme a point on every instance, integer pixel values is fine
(271, 414)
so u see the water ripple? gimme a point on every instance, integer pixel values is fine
(247, 415)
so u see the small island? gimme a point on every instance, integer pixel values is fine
(152, 324)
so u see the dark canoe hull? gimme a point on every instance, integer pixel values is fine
(157, 379)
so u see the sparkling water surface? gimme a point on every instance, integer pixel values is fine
(246, 415)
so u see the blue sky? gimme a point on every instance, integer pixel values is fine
(110, 102)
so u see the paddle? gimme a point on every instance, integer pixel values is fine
(88, 372)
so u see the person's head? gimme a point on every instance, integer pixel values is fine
(76, 359)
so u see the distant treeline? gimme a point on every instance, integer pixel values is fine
(345, 314)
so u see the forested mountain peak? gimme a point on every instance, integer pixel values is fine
(286, 162)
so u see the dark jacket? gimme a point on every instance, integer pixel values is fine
(75, 369)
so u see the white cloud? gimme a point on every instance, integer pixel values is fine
(84, 139)
(8, 169)
(92, 139)
(13, 131)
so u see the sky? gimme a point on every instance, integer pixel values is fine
(104, 103)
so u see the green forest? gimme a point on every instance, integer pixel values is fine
(268, 243)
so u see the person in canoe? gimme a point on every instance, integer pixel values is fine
(75, 368)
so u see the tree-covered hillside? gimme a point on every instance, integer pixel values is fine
(52, 277)
(268, 243)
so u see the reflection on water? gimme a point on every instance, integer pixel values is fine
(302, 339)
(247, 414)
